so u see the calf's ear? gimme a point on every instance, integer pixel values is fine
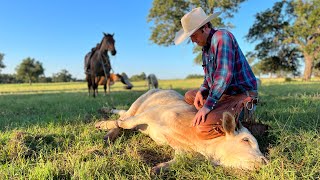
(228, 123)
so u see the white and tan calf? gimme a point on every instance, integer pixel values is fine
(166, 118)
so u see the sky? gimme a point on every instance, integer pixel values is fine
(59, 33)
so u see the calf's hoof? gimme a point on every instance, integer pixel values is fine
(106, 125)
(158, 168)
(112, 135)
(155, 170)
(100, 125)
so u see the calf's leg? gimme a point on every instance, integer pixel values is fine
(162, 166)
(112, 135)
(166, 165)
(113, 128)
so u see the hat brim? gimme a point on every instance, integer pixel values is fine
(181, 35)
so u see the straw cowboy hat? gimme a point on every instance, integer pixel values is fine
(191, 22)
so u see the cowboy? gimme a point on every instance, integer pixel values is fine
(229, 83)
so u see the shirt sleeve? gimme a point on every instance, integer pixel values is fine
(204, 86)
(223, 49)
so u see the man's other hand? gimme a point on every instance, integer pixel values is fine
(200, 116)
(198, 100)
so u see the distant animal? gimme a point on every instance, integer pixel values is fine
(112, 79)
(99, 62)
(152, 81)
(167, 119)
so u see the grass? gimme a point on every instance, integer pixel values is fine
(47, 132)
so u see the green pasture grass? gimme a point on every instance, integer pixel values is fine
(47, 132)
(40, 88)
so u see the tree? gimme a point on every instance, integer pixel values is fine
(63, 76)
(288, 31)
(140, 77)
(306, 32)
(1, 62)
(166, 16)
(29, 70)
(43, 79)
(8, 78)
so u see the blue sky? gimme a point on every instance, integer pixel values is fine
(59, 33)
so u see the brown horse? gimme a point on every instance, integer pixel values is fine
(99, 62)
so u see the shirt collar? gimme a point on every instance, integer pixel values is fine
(207, 46)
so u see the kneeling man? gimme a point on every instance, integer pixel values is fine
(229, 83)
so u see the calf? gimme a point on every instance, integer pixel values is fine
(167, 119)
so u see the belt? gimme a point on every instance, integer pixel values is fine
(252, 93)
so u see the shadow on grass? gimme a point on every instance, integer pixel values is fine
(26, 110)
(29, 146)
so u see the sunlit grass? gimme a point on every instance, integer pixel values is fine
(82, 86)
(47, 132)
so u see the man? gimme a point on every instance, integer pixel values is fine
(228, 78)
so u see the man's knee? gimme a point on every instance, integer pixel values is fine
(190, 95)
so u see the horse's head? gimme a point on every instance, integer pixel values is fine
(107, 43)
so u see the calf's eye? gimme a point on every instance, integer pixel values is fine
(245, 139)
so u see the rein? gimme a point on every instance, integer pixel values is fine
(102, 57)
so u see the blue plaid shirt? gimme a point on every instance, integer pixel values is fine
(226, 69)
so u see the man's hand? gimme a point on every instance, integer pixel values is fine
(198, 100)
(200, 116)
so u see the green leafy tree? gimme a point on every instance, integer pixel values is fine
(305, 32)
(1, 62)
(287, 32)
(43, 79)
(29, 70)
(63, 76)
(8, 78)
(166, 16)
(140, 77)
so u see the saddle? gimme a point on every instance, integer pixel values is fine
(105, 62)
(240, 105)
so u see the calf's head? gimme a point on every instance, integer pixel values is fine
(237, 149)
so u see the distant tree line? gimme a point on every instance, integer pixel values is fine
(139, 77)
(31, 71)
(194, 76)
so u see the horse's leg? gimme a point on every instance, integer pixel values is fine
(98, 78)
(88, 84)
(97, 85)
(105, 88)
(94, 85)
(89, 87)
(108, 84)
